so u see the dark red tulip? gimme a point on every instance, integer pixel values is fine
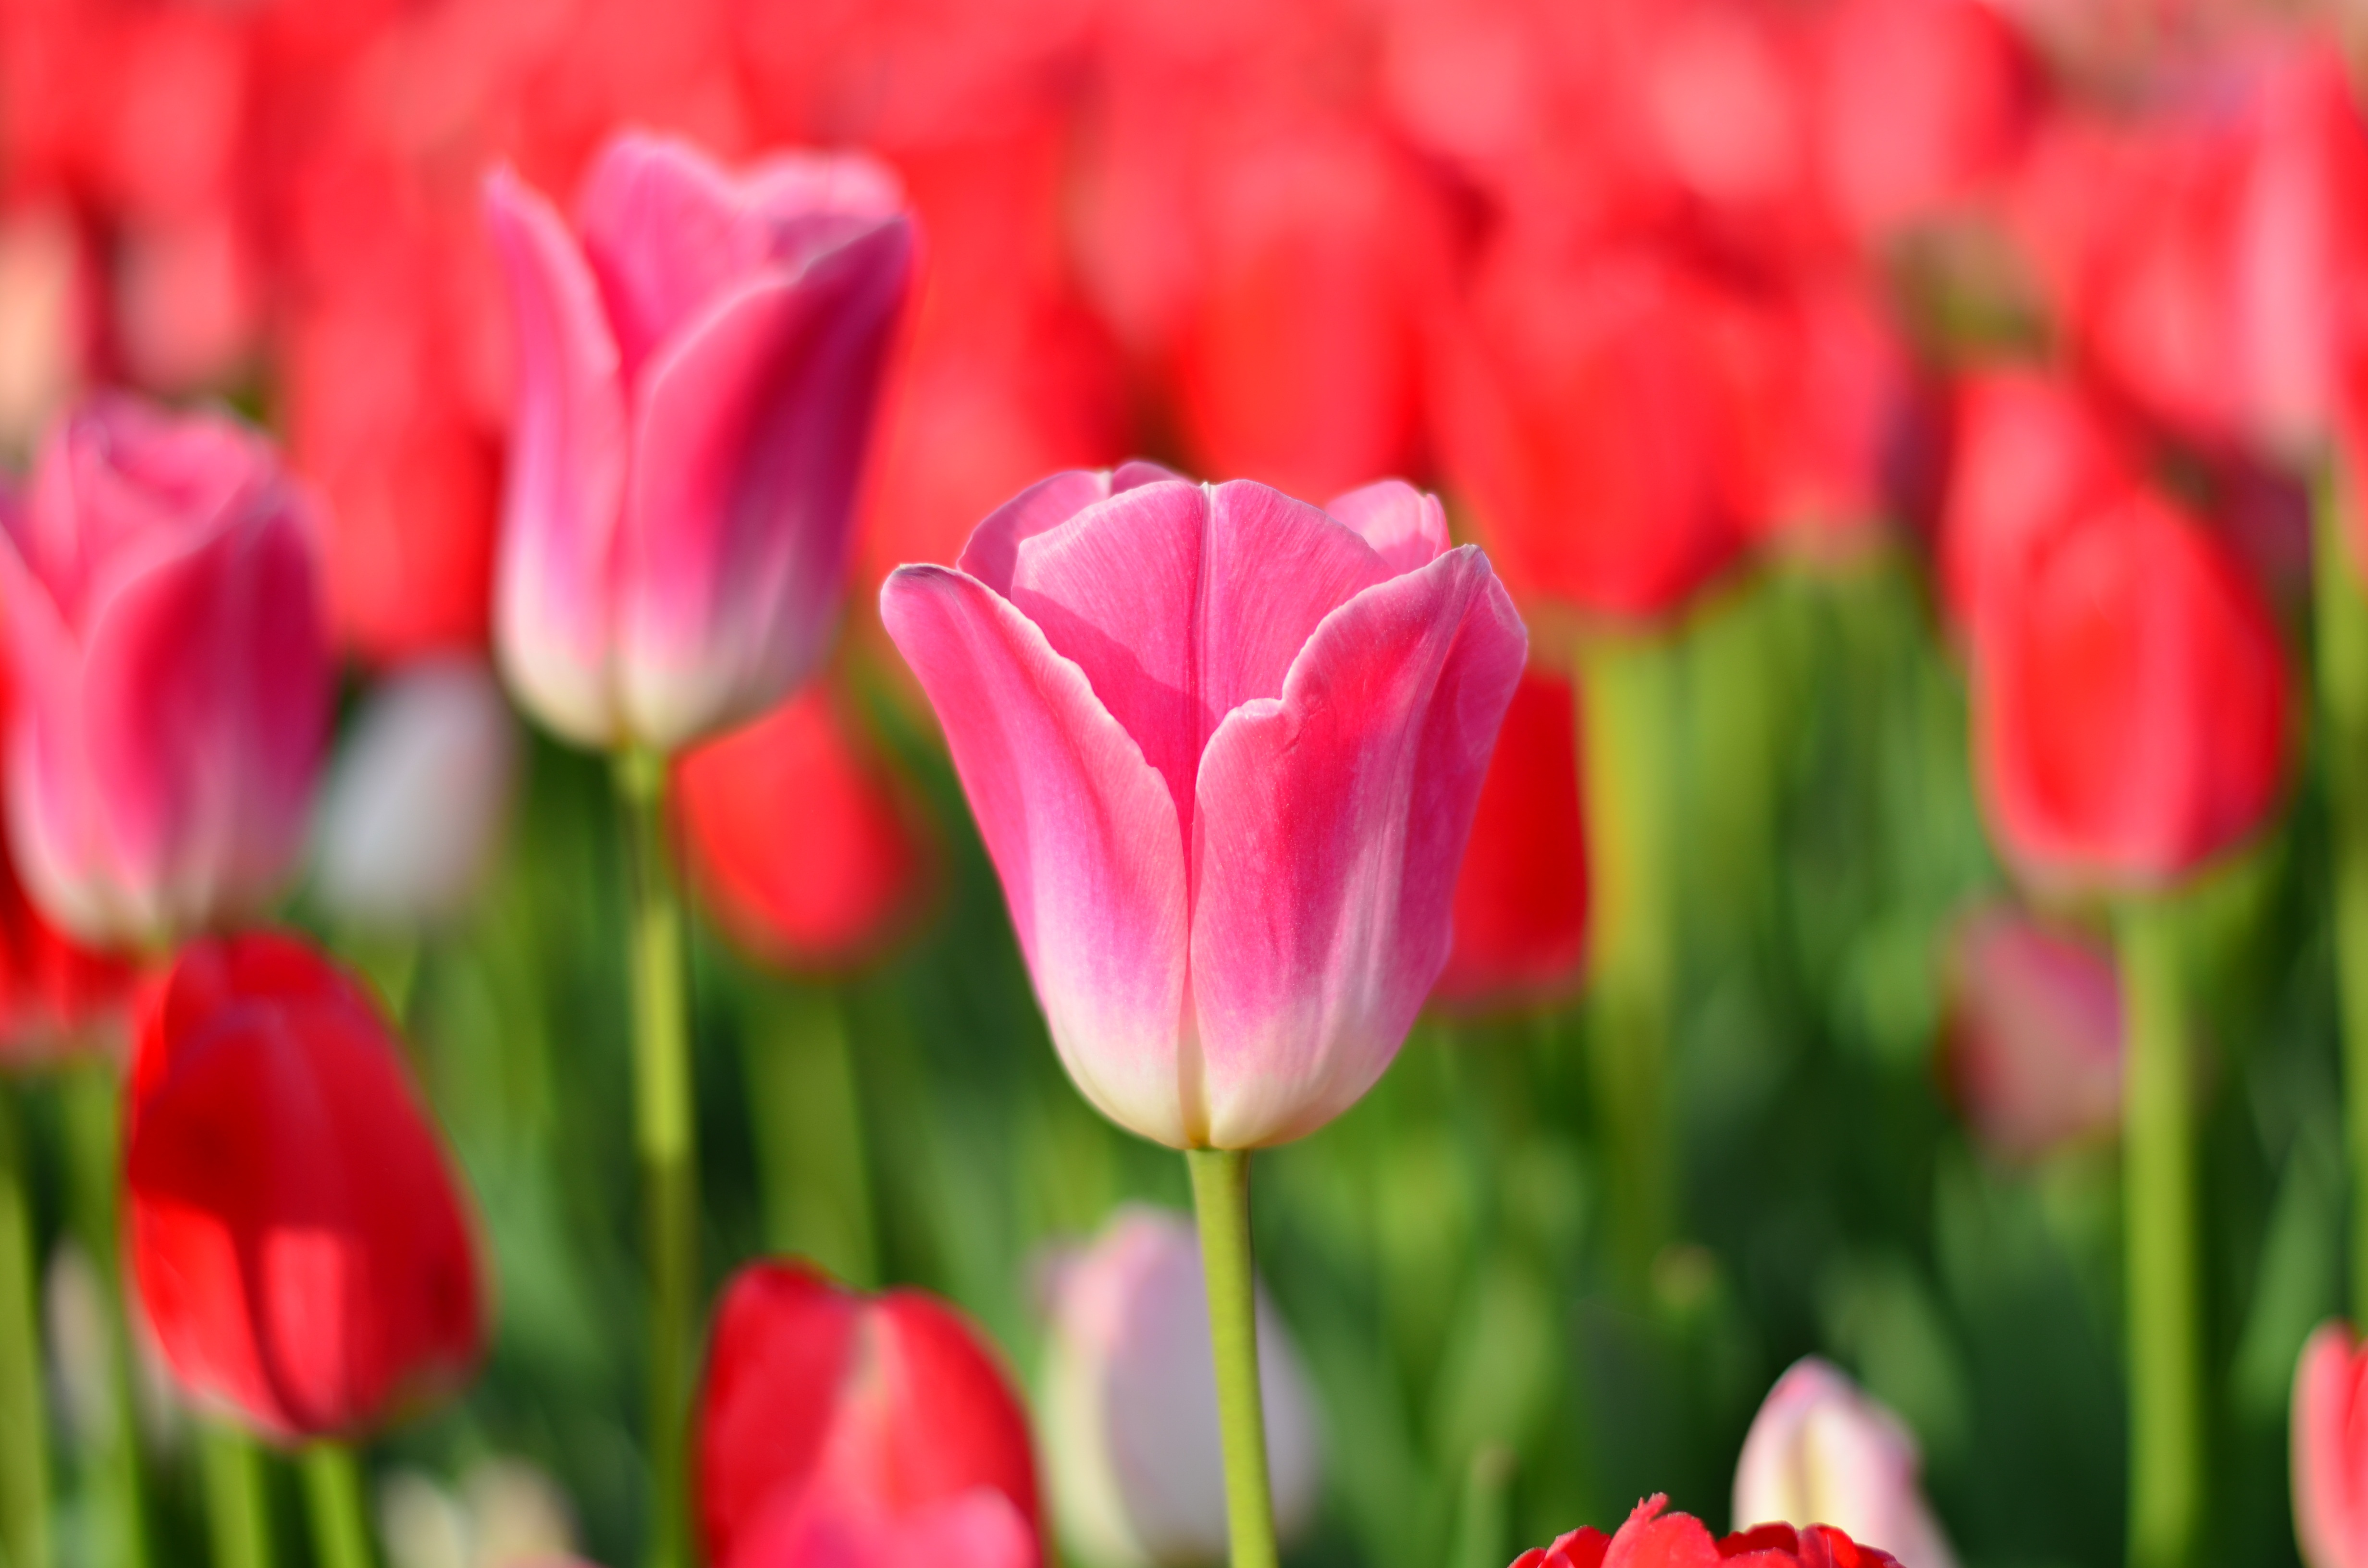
(886, 1410)
(1651, 1539)
(806, 849)
(1520, 899)
(303, 1251)
(2129, 703)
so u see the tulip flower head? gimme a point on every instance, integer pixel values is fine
(162, 603)
(2330, 1449)
(1130, 1402)
(1651, 1539)
(2033, 1037)
(1820, 1449)
(1225, 749)
(878, 1427)
(698, 366)
(303, 1250)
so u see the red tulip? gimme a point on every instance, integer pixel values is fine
(1652, 1540)
(2330, 1459)
(794, 828)
(302, 1249)
(2130, 705)
(825, 1411)
(1522, 897)
(173, 682)
(2033, 1036)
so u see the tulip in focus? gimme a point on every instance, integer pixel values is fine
(1225, 749)
(1522, 896)
(838, 1427)
(162, 605)
(1821, 1451)
(698, 365)
(414, 806)
(2329, 1461)
(2033, 1037)
(1131, 1402)
(1651, 1539)
(303, 1251)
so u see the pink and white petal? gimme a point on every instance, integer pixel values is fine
(807, 202)
(1277, 568)
(1330, 829)
(1407, 527)
(567, 481)
(666, 230)
(993, 546)
(1080, 828)
(749, 436)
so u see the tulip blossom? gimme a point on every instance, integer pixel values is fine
(2129, 701)
(1522, 896)
(1130, 1402)
(302, 1249)
(825, 1415)
(804, 846)
(415, 799)
(162, 608)
(1225, 749)
(2329, 1461)
(1650, 1539)
(2033, 1035)
(1821, 1451)
(698, 364)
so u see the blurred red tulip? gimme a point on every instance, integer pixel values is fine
(49, 307)
(2130, 704)
(172, 673)
(805, 846)
(1651, 1539)
(1520, 899)
(303, 1248)
(820, 1404)
(2329, 1458)
(2033, 1039)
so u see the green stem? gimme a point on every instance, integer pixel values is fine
(333, 1497)
(2342, 660)
(662, 1126)
(93, 1095)
(808, 1121)
(1628, 697)
(237, 1519)
(2166, 1481)
(24, 1431)
(1480, 1521)
(1221, 1194)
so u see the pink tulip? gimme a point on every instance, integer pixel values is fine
(2330, 1449)
(2033, 1037)
(1225, 749)
(160, 598)
(698, 368)
(1822, 1452)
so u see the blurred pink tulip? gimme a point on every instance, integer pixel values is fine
(698, 368)
(162, 603)
(1225, 749)
(1130, 1402)
(1821, 1452)
(2329, 1461)
(2033, 1038)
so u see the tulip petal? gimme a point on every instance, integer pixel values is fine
(54, 821)
(1330, 827)
(1407, 527)
(1082, 833)
(749, 433)
(567, 481)
(2330, 1434)
(993, 547)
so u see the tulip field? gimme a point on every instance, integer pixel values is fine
(1147, 783)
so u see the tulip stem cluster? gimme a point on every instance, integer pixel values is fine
(332, 1495)
(2159, 1184)
(662, 1103)
(24, 1449)
(2343, 658)
(237, 1519)
(1221, 1196)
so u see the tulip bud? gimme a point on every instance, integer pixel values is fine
(806, 849)
(303, 1253)
(1681, 1540)
(2330, 1449)
(2033, 1036)
(1821, 1452)
(698, 365)
(161, 596)
(827, 1417)
(1131, 1402)
(1225, 749)
(416, 797)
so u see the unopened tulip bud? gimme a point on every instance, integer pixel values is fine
(1131, 1402)
(2033, 1038)
(417, 795)
(2329, 1461)
(1822, 1452)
